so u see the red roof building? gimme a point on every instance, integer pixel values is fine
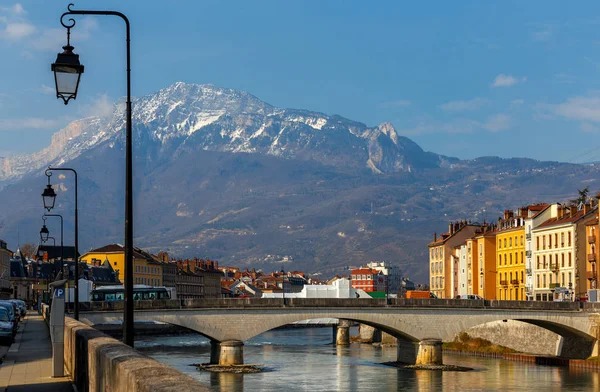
(368, 279)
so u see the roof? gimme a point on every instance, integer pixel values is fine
(54, 252)
(365, 271)
(592, 222)
(118, 248)
(566, 218)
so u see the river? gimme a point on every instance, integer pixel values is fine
(305, 360)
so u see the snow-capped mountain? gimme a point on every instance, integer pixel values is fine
(206, 117)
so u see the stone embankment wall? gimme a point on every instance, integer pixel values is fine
(520, 336)
(98, 363)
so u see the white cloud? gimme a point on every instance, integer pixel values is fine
(507, 80)
(44, 89)
(101, 106)
(460, 106)
(18, 30)
(18, 124)
(578, 108)
(495, 123)
(499, 122)
(516, 102)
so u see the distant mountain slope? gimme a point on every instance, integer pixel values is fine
(219, 173)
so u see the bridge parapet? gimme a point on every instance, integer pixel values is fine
(243, 303)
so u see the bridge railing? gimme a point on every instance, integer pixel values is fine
(339, 302)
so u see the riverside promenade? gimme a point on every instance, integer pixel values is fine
(27, 365)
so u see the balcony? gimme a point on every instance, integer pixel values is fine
(554, 267)
(528, 236)
(592, 239)
(528, 253)
(592, 275)
(591, 257)
(504, 283)
(514, 282)
(480, 271)
(528, 271)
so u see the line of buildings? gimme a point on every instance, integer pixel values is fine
(541, 252)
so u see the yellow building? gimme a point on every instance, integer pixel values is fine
(485, 252)
(147, 269)
(510, 258)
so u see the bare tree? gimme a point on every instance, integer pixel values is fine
(28, 250)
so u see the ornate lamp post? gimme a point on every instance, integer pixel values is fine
(62, 248)
(67, 68)
(44, 233)
(49, 197)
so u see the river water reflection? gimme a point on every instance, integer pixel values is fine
(305, 360)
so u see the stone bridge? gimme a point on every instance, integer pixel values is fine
(419, 325)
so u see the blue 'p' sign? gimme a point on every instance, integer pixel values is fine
(59, 293)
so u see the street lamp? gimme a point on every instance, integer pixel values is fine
(76, 250)
(67, 72)
(44, 233)
(49, 196)
(62, 248)
(128, 309)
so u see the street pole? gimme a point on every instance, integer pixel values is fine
(128, 310)
(76, 255)
(62, 248)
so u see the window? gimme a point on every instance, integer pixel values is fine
(543, 242)
(522, 277)
(569, 238)
(544, 258)
(538, 281)
(499, 259)
(538, 264)
(480, 249)
(115, 263)
(562, 264)
(510, 258)
(544, 276)
(500, 244)
(569, 262)
(562, 239)
(570, 279)
(556, 240)
(505, 259)
(563, 279)
(549, 240)
(505, 242)
(510, 241)
(521, 240)
(537, 243)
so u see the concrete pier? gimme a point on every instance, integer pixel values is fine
(407, 351)
(231, 353)
(343, 333)
(430, 352)
(215, 352)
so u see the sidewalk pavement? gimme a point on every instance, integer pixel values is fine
(28, 363)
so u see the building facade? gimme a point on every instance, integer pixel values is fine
(368, 279)
(592, 240)
(147, 270)
(560, 254)
(441, 258)
(5, 286)
(510, 258)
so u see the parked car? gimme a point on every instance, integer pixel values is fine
(6, 328)
(21, 306)
(468, 296)
(11, 313)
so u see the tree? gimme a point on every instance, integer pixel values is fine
(582, 198)
(28, 250)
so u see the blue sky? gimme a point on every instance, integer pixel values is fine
(461, 78)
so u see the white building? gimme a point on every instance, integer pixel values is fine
(341, 288)
(535, 215)
(559, 254)
(393, 273)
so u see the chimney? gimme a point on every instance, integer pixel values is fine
(506, 214)
(560, 212)
(451, 229)
(587, 207)
(434, 237)
(572, 210)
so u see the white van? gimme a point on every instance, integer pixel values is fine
(468, 296)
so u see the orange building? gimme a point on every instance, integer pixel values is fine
(485, 253)
(592, 240)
